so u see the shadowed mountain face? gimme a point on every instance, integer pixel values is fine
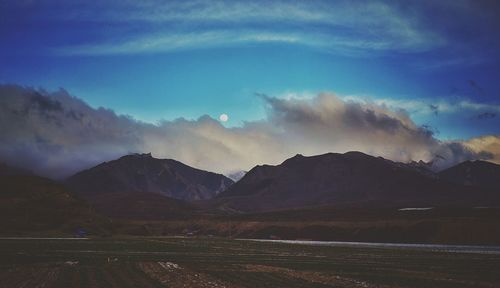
(474, 173)
(7, 170)
(352, 178)
(31, 205)
(142, 206)
(143, 173)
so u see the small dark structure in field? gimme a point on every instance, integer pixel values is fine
(81, 232)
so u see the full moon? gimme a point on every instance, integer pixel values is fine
(223, 117)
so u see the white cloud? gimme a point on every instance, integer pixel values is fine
(56, 134)
(490, 143)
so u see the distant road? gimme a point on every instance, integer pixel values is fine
(475, 249)
(426, 247)
(43, 238)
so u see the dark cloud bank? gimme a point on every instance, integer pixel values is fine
(56, 134)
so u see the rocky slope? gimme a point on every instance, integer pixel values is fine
(141, 173)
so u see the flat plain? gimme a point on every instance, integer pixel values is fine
(216, 262)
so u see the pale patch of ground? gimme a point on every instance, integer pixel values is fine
(174, 276)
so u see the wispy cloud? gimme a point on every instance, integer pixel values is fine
(423, 106)
(345, 27)
(437, 34)
(173, 42)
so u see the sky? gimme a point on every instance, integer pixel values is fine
(421, 76)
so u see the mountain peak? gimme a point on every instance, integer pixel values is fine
(356, 154)
(474, 173)
(138, 156)
(295, 158)
(342, 179)
(145, 155)
(138, 173)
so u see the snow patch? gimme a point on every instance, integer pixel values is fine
(169, 266)
(416, 209)
(71, 263)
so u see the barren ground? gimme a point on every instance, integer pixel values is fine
(212, 262)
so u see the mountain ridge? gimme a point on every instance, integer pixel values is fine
(476, 173)
(342, 179)
(143, 173)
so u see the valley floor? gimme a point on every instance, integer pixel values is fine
(215, 262)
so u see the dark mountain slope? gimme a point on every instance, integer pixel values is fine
(353, 178)
(31, 205)
(142, 206)
(474, 173)
(141, 173)
(7, 170)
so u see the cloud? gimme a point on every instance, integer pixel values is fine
(56, 134)
(421, 34)
(486, 115)
(433, 106)
(341, 26)
(434, 109)
(330, 123)
(450, 117)
(486, 143)
(168, 41)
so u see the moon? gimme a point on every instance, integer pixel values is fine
(223, 117)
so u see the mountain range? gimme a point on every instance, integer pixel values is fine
(352, 179)
(349, 187)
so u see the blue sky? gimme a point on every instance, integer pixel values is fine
(157, 60)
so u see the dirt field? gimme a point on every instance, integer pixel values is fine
(210, 262)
